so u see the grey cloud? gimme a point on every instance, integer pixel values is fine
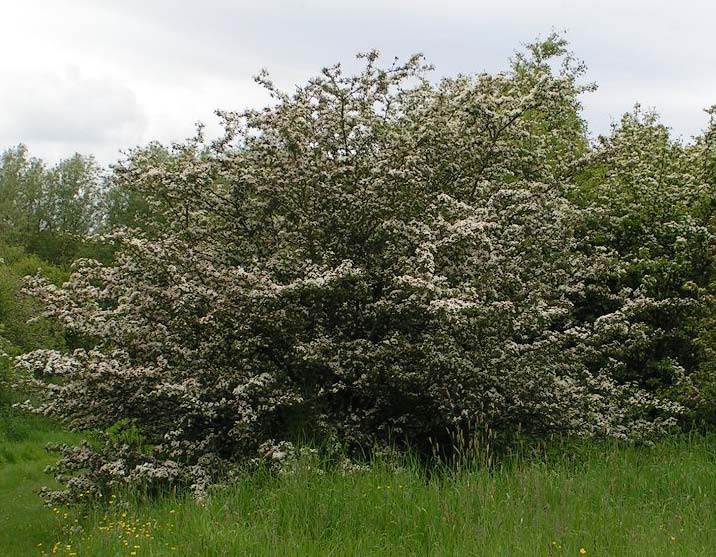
(70, 109)
(185, 59)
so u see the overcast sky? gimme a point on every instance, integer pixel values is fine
(97, 76)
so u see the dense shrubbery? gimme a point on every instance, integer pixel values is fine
(21, 329)
(651, 200)
(379, 259)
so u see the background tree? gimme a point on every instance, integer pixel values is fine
(21, 194)
(49, 211)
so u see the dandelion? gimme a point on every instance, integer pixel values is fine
(582, 551)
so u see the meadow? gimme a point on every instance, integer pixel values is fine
(583, 498)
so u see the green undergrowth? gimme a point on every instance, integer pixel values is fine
(577, 498)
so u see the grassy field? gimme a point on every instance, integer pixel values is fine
(583, 500)
(24, 521)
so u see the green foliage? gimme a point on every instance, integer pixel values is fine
(49, 211)
(21, 185)
(21, 326)
(7, 351)
(124, 205)
(18, 312)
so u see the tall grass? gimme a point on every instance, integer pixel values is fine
(24, 521)
(602, 499)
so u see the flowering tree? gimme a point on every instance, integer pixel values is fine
(372, 258)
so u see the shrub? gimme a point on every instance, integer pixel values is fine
(649, 199)
(373, 258)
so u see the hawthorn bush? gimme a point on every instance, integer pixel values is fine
(650, 199)
(379, 259)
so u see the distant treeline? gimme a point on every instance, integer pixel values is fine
(53, 210)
